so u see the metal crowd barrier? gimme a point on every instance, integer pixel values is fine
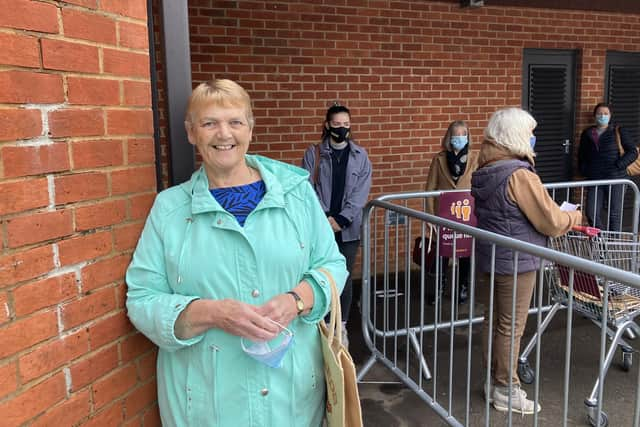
(430, 348)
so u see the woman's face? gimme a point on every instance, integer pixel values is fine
(603, 115)
(340, 120)
(222, 136)
(459, 131)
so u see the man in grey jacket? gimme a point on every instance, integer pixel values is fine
(340, 172)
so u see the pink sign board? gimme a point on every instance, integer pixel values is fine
(456, 206)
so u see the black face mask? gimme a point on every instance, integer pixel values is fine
(339, 134)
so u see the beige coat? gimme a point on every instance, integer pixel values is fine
(440, 178)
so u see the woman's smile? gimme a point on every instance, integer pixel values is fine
(225, 147)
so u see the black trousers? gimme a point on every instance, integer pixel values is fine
(350, 251)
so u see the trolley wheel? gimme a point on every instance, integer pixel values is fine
(525, 373)
(591, 416)
(627, 360)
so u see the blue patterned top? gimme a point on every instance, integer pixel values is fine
(240, 201)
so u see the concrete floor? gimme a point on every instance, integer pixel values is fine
(387, 405)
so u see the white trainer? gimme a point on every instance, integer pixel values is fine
(488, 396)
(519, 401)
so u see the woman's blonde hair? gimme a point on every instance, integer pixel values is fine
(446, 139)
(219, 92)
(511, 128)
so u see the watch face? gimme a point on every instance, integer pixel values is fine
(300, 305)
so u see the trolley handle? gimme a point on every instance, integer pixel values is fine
(589, 231)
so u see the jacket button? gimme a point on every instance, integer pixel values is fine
(219, 221)
(255, 293)
(264, 391)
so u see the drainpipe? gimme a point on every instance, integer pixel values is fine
(154, 97)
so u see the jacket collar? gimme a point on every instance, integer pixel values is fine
(202, 201)
(491, 152)
(353, 147)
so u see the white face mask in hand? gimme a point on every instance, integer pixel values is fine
(272, 352)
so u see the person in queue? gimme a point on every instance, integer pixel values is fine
(229, 279)
(340, 172)
(599, 158)
(451, 169)
(510, 200)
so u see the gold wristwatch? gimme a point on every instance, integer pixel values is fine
(299, 302)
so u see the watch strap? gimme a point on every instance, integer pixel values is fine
(299, 302)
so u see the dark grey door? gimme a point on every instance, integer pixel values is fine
(622, 92)
(548, 93)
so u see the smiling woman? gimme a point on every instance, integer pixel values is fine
(221, 129)
(229, 270)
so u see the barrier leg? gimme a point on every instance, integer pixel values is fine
(416, 347)
(366, 367)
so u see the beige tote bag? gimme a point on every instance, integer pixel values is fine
(343, 402)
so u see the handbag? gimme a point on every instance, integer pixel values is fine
(429, 252)
(343, 401)
(634, 168)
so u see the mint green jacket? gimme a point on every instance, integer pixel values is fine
(191, 248)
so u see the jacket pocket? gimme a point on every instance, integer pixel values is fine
(201, 393)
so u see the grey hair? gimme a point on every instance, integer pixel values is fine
(511, 128)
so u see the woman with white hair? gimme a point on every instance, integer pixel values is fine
(510, 200)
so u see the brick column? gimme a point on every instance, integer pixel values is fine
(77, 179)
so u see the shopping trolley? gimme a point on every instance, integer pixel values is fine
(615, 249)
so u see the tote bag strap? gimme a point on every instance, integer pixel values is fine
(618, 141)
(335, 317)
(316, 169)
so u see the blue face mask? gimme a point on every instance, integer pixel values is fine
(271, 352)
(532, 141)
(602, 119)
(458, 142)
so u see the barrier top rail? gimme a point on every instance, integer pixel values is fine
(550, 186)
(571, 261)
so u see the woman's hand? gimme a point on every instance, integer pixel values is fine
(281, 308)
(234, 317)
(244, 320)
(334, 224)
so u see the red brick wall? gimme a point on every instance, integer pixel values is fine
(405, 68)
(77, 179)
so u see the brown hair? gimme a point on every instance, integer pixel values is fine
(446, 139)
(600, 105)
